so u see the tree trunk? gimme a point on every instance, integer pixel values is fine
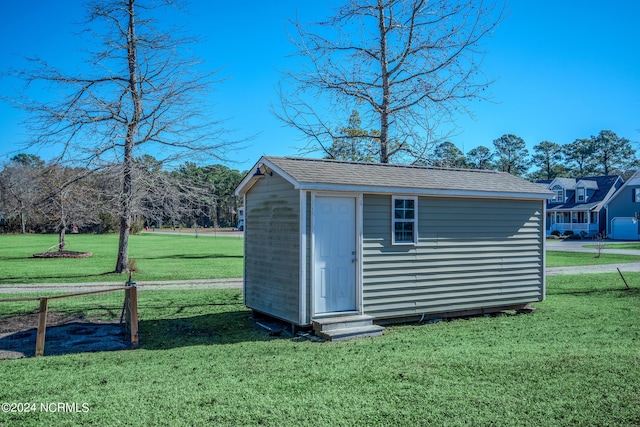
(61, 235)
(386, 90)
(23, 222)
(122, 264)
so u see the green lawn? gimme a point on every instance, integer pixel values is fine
(576, 361)
(561, 259)
(630, 245)
(159, 257)
(162, 257)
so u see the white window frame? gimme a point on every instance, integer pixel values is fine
(558, 189)
(395, 220)
(636, 195)
(580, 190)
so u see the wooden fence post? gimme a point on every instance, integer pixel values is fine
(42, 327)
(131, 295)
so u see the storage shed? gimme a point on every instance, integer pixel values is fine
(345, 240)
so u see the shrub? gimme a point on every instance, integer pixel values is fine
(555, 233)
(574, 237)
(568, 233)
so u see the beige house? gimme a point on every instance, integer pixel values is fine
(328, 242)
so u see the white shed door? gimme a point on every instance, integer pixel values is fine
(334, 254)
(624, 228)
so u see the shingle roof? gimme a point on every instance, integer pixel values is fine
(332, 174)
(587, 183)
(601, 185)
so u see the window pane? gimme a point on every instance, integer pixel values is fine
(409, 213)
(403, 232)
(404, 209)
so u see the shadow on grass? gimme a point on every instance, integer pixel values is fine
(158, 334)
(211, 256)
(597, 292)
(36, 279)
(208, 329)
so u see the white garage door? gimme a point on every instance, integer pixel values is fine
(624, 228)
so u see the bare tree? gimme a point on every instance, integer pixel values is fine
(139, 92)
(19, 188)
(68, 198)
(407, 65)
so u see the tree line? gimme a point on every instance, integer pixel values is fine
(47, 197)
(407, 66)
(602, 154)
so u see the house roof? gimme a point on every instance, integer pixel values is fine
(565, 182)
(633, 181)
(588, 184)
(603, 188)
(334, 175)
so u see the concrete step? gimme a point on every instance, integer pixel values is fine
(350, 333)
(341, 322)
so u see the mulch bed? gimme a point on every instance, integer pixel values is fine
(63, 254)
(65, 335)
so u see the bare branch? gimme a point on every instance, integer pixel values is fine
(401, 62)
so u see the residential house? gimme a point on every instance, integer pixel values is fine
(623, 211)
(578, 204)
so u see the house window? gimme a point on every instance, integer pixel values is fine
(579, 218)
(404, 220)
(581, 194)
(636, 195)
(559, 196)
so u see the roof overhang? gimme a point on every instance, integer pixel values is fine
(310, 186)
(265, 166)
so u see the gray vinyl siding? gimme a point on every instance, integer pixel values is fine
(623, 205)
(471, 254)
(272, 248)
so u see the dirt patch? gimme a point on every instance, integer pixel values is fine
(63, 254)
(64, 335)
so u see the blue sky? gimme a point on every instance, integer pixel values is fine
(564, 69)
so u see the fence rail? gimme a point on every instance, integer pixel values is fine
(130, 313)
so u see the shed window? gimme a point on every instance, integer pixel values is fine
(404, 220)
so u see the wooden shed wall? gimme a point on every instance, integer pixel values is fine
(272, 248)
(471, 253)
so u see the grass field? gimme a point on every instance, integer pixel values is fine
(202, 361)
(576, 361)
(628, 245)
(163, 257)
(158, 257)
(561, 259)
